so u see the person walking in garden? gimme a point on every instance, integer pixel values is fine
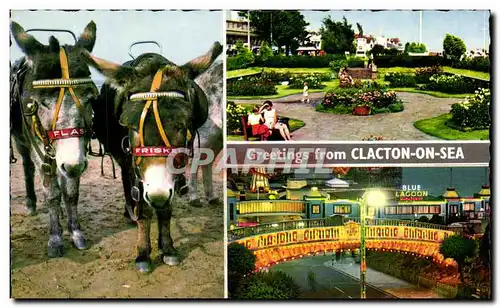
(271, 120)
(305, 93)
(255, 120)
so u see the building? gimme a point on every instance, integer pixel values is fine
(365, 43)
(237, 30)
(313, 47)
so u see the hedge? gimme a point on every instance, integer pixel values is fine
(297, 61)
(408, 61)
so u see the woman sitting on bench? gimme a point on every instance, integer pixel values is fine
(255, 120)
(271, 120)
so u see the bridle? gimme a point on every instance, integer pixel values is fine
(141, 151)
(47, 137)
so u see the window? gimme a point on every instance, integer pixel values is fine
(468, 206)
(422, 209)
(407, 209)
(342, 209)
(231, 211)
(315, 209)
(391, 210)
(453, 209)
(435, 209)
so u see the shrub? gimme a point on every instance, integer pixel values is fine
(272, 285)
(423, 74)
(234, 113)
(313, 81)
(354, 62)
(381, 101)
(243, 58)
(400, 80)
(481, 64)
(437, 219)
(266, 51)
(407, 61)
(453, 47)
(251, 86)
(336, 65)
(276, 76)
(297, 61)
(451, 84)
(474, 112)
(423, 219)
(240, 262)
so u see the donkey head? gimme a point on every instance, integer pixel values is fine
(176, 97)
(45, 63)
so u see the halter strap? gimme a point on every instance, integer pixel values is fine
(65, 82)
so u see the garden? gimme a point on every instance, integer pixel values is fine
(452, 76)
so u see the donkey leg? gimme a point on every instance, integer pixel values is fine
(208, 185)
(193, 188)
(127, 187)
(29, 178)
(143, 260)
(70, 193)
(169, 254)
(53, 202)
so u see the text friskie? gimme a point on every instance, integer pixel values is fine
(66, 133)
(152, 151)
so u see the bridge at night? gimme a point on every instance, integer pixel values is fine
(279, 242)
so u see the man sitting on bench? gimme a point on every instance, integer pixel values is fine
(271, 120)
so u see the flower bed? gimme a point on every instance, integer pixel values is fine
(473, 113)
(234, 113)
(313, 81)
(450, 83)
(423, 74)
(253, 86)
(379, 100)
(397, 79)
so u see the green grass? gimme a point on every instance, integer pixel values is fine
(437, 127)
(285, 91)
(467, 73)
(298, 70)
(432, 93)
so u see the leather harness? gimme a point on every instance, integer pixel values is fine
(151, 99)
(37, 130)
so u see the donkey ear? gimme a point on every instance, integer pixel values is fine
(88, 36)
(202, 63)
(117, 74)
(131, 115)
(28, 44)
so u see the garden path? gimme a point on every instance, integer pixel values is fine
(392, 126)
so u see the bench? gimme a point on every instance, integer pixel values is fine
(247, 130)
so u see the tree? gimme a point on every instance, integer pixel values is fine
(377, 50)
(453, 47)
(485, 247)
(265, 51)
(458, 248)
(360, 29)
(337, 36)
(283, 28)
(271, 285)
(415, 47)
(240, 262)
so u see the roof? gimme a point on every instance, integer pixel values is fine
(336, 182)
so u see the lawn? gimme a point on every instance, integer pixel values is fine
(467, 73)
(437, 127)
(285, 91)
(432, 93)
(293, 123)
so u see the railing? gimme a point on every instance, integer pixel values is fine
(239, 233)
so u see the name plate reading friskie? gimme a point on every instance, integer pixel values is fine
(66, 133)
(152, 151)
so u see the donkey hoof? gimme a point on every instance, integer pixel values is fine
(215, 201)
(183, 190)
(79, 242)
(56, 251)
(143, 266)
(195, 203)
(171, 260)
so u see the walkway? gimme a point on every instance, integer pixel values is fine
(397, 287)
(392, 126)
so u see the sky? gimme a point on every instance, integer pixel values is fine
(183, 35)
(404, 24)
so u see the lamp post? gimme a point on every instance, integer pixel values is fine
(374, 198)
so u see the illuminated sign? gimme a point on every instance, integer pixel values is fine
(350, 232)
(411, 193)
